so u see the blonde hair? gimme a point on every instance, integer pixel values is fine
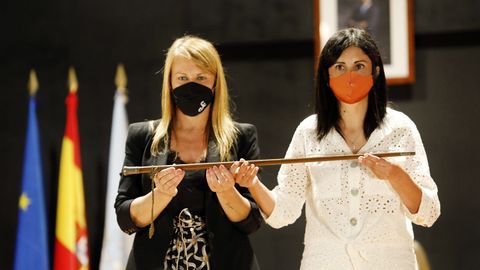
(205, 56)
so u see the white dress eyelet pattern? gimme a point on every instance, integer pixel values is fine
(354, 220)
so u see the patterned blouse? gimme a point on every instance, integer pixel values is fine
(354, 220)
(188, 249)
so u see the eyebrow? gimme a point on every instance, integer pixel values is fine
(183, 73)
(358, 61)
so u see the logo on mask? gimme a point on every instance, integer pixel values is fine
(203, 105)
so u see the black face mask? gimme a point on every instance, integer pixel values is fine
(192, 98)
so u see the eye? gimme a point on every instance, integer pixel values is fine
(339, 67)
(360, 66)
(201, 77)
(182, 78)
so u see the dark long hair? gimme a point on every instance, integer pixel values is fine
(327, 105)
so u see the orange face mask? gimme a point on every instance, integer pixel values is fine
(351, 87)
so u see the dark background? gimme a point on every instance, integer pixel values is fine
(267, 49)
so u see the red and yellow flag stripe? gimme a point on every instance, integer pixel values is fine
(71, 238)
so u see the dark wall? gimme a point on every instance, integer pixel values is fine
(444, 107)
(267, 51)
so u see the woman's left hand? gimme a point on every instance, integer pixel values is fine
(410, 193)
(382, 168)
(220, 179)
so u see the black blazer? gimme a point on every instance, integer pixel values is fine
(229, 245)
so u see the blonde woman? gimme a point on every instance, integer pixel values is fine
(196, 219)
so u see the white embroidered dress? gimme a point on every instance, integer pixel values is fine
(354, 220)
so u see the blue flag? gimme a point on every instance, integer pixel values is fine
(32, 245)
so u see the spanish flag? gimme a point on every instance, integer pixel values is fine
(71, 239)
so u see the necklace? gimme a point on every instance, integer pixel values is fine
(354, 144)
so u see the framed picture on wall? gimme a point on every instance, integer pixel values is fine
(389, 21)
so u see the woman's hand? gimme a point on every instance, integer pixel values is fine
(220, 179)
(222, 182)
(245, 174)
(382, 168)
(409, 192)
(167, 180)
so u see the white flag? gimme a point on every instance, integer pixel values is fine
(116, 244)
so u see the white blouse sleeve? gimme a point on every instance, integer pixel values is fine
(292, 184)
(417, 168)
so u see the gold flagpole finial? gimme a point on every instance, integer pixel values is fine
(72, 80)
(32, 83)
(121, 80)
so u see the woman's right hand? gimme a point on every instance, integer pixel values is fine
(245, 174)
(167, 180)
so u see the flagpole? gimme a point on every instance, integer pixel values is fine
(72, 80)
(121, 81)
(32, 83)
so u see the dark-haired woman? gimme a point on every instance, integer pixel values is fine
(359, 213)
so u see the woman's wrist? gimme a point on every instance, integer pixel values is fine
(397, 175)
(163, 195)
(227, 192)
(256, 185)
